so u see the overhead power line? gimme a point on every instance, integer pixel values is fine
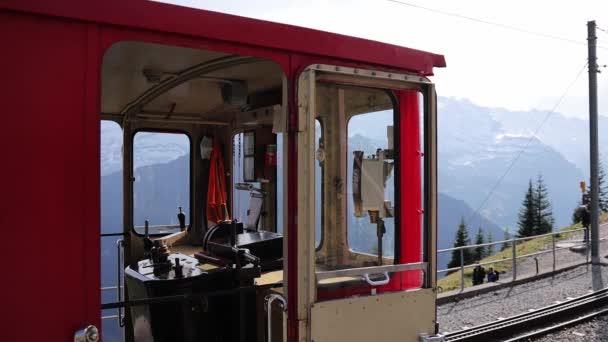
(492, 23)
(519, 154)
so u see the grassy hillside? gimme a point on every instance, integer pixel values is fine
(502, 260)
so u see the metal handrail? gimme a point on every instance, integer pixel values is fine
(513, 242)
(161, 226)
(109, 288)
(361, 271)
(269, 300)
(507, 259)
(508, 241)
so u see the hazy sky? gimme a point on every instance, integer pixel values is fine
(489, 65)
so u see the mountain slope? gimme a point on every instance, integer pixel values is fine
(475, 151)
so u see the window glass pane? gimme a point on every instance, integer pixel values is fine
(111, 178)
(162, 180)
(354, 207)
(261, 199)
(240, 197)
(373, 226)
(111, 219)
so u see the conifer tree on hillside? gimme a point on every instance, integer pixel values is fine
(506, 237)
(527, 214)
(462, 239)
(490, 248)
(543, 218)
(479, 252)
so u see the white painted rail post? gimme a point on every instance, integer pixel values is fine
(553, 247)
(462, 269)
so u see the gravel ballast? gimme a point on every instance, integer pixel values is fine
(514, 300)
(594, 330)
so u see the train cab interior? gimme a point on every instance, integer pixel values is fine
(200, 195)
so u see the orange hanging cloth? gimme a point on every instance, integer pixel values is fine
(216, 192)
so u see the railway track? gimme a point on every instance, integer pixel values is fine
(542, 320)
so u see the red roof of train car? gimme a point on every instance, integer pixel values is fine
(193, 22)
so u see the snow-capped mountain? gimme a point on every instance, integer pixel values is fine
(569, 136)
(476, 149)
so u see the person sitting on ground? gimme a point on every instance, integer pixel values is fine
(476, 275)
(482, 275)
(492, 277)
(479, 273)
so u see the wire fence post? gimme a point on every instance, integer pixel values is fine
(462, 269)
(513, 245)
(553, 247)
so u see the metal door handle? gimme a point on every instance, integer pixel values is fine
(384, 281)
(88, 334)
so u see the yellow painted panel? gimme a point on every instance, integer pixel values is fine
(398, 316)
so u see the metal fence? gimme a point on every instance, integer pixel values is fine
(513, 245)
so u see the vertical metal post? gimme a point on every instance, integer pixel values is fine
(513, 245)
(119, 285)
(553, 247)
(587, 242)
(593, 141)
(462, 269)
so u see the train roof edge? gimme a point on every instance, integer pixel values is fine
(152, 15)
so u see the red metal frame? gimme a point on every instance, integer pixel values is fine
(50, 95)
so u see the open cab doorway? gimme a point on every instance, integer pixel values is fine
(200, 244)
(205, 254)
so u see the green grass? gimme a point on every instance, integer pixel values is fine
(452, 281)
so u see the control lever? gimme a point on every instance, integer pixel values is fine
(178, 269)
(181, 217)
(148, 244)
(246, 256)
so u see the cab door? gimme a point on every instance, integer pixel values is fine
(366, 205)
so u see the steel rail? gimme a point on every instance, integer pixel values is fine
(554, 328)
(510, 326)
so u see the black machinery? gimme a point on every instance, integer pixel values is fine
(208, 297)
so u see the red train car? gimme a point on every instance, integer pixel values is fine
(308, 177)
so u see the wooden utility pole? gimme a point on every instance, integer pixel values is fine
(593, 143)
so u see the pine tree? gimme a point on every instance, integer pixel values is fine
(543, 218)
(479, 252)
(506, 237)
(462, 239)
(490, 248)
(527, 214)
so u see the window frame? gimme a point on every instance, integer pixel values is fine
(132, 173)
(122, 171)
